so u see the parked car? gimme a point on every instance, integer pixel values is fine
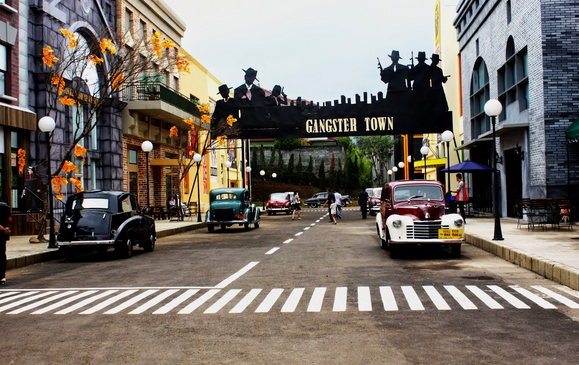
(279, 202)
(317, 200)
(101, 219)
(229, 206)
(346, 200)
(374, 195)
(413, 211)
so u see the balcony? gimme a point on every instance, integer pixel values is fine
(159, 101)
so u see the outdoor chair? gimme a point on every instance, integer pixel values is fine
(563, 214)
(522, 208)
(539, 213)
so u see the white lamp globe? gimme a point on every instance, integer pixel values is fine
(424, 150)
(274, 175)
(248, 169)
(197, 157)
(447, 136)
(262, 173)
(46, 124)
(147, 146)
(394, 169)
(389, 172)
(493, 107)
(401, 164)
(228, 164)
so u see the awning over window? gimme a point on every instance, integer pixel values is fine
(572, 132)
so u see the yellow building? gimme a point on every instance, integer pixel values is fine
(220, 165)
(446, 45)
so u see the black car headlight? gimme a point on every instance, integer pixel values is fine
(458, 222)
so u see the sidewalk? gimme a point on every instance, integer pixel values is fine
(552, 254)
(20, 252)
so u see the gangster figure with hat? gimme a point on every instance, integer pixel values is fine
(249, 94)
(396, 76)
(224, 107)
(437, 78)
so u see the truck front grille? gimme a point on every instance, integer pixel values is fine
(423, 230)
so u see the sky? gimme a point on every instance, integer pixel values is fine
(316, 49)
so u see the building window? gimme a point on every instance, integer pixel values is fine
(477, 46)
(93, 175)
(142, 31)
(128, 21)
(479, 95)
(133, 157)
(3, 69)
(513, 79)
(509, 14)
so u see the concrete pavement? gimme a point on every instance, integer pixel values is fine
(553, 254)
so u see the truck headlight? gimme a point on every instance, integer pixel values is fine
(397, 223)
(458, 222)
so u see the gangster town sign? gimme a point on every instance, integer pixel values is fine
(415, 103)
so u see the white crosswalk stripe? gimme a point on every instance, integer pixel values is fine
(160, 300)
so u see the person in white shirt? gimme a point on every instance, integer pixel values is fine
(296, 205)
(333, 208)
(338, 198)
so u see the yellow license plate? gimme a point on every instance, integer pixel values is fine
(450, 234)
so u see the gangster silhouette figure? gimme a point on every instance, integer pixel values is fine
(249, 94)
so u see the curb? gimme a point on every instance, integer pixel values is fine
(551, 270)
(55, 254)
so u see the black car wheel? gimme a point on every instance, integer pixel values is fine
(269, 212)
(314, 205)
(124, 249)
(68, 252)
(256, 225)
(210, 228)
(246, 226)
(223, 227)
(150, 245)
(455, 251)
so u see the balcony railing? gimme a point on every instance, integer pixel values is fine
(159, 91)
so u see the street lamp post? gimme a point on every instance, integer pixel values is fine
(197, 160)
(274, 175)
(424, 152)
(447, 136)
(262, 173)
(228, 165)
(47, 124)
(389, 175)
(147, 147)
(493, 108)
(248, 169)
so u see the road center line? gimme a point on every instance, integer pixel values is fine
(288, 241)
(299, 233)
(237, 275)
(272, 251)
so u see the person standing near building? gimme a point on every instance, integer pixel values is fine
(329, 201)
(296, 205)
(363, 202)
(4, 236)
(338, 198)
(461, 196)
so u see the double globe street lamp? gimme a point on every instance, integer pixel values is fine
(197, 159)
(47, 124)
(147, 147)
(424, 150)
(262, 174)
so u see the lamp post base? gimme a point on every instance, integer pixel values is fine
(498, 231)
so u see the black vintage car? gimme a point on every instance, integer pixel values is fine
(102, 219)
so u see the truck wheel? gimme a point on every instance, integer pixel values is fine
(394, 251)
(210, 228)
(268, 212)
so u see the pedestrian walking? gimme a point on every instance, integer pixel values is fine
(296, 205)
(363, 202)
(4, 236)
(333, 209)
(338, 198)
(461, 196)
(329, 201)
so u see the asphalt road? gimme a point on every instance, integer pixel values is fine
(290, 292)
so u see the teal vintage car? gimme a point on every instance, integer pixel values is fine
(229, 206)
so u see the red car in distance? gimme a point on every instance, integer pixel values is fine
(279, 202)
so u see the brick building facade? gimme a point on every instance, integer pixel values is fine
(522, 53)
